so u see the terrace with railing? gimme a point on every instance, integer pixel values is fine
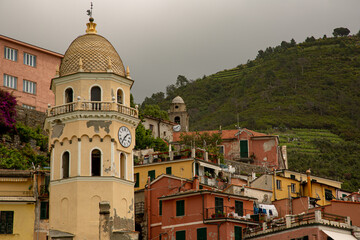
(91, 106)
(158, 157)
(291, 221)
(227, 213)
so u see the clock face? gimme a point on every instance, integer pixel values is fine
(177, 128)
(125, 136)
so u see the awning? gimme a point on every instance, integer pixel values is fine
(210, 166)
(339, 236)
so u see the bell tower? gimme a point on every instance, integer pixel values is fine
(178, 113)
(91, 136)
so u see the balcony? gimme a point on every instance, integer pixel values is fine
(92, 106)
(44, 191)
(228, 213)
(139, 208)
(292, 221)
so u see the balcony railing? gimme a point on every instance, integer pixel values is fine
(44, 191)
(92, 106)
(291, 221)
(227, 213)
(139, 208)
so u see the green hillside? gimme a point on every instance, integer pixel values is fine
(312, 85)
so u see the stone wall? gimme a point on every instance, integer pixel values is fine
(31, 118)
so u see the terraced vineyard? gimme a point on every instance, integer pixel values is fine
(302, 140)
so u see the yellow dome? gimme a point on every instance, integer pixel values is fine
(91, 53)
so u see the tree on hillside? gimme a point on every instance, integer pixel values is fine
(154, 111)
(7, 111)
(341, 31)
(181, 81)
(144, 139)
(209, 142)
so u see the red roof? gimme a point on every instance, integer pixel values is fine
(225, 134)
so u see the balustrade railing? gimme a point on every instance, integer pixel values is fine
(17, 193)
(92, 106)
(227, 212)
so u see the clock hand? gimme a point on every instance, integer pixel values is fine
(125, 137)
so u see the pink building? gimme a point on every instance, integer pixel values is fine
(26, 71)
(248, 146)
(178, 208)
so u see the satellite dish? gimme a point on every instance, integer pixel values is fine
(177, 128)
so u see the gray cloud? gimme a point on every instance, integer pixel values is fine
(160, 39)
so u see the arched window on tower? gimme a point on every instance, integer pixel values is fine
(96, 97)
(66, 165)
(95, 163)
(69, 95)
(122, 165)
(120, 96)
(177, 119)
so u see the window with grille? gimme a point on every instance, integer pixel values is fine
(10, 81)
(6, 222)
(29, 60)
(10, 53)
(29, 87)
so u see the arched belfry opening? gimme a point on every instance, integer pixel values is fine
(122, 166)
(119, 96)
(177, 119)
(66, 164)
(69, 95)
(96, 163)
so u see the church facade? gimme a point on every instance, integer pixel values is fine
(91, 136)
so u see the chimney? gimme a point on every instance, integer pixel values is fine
(195, 184)
(308, 182)
(284, 155)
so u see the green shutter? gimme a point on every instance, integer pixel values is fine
(239, 209)
(137, 179)
(197, 169)
(238, 233)
(180, 235)
(168, 170)
(180, 208)
(44, 210)
(160, 207)
(201, 234)
(151, 174)
(6, 222)
(244, 152)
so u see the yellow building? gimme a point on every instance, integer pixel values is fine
(91, 136)
(289, 183)
(23, 204)
(186, 166)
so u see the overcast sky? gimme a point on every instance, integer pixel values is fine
(161, 39)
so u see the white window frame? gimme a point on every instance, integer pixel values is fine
(29, 59)
(10, 81)
(278, 184)
(10, 54)
(29, 87)
(293, 187)
(28, 107)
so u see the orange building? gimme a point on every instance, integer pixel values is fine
(247, 146)
(26, 71)
(177, 208)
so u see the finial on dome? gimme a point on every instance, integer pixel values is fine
(109, 67)
(128, 72)
(81, 69)
(91, 26)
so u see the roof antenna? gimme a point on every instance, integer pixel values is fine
(89, 12)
